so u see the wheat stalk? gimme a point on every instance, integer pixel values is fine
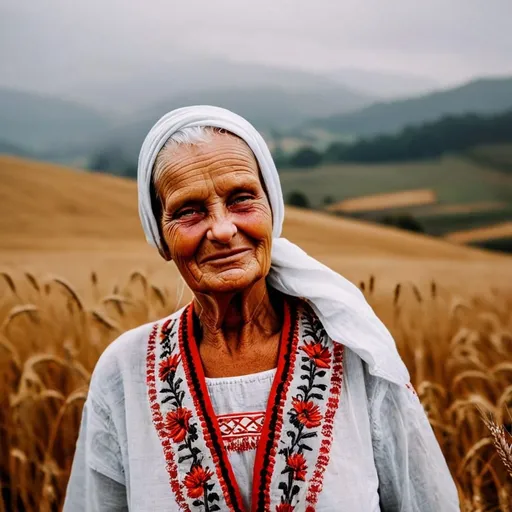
(502, 441)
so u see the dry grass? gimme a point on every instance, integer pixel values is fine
(502, 230)
(458, 349)
(456, 209)
(53, 328)
(402, 199)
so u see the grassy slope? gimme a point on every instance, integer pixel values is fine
(495, 156)
(455, 180)
(70, 222)
(479, 96)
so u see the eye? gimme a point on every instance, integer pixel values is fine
(185, 212)
(241, 198)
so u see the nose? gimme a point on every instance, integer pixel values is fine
(222, 230)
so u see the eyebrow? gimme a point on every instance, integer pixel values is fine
(190, 195)
(180, 198)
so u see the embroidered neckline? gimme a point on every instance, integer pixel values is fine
(295, 432)
(241, 379)
(241, 431)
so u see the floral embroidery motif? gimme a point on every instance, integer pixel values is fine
(241, 432)
(284, 507)
(177, 423)
(293, 437)
(196, 481)
(297, 463)
(180, 425)
(317, 353)
(305, 414)
(315, 484)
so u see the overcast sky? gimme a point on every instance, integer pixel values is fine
(49, 44)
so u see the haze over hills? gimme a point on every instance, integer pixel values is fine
(269, 109)
(269, 97)
(274, 99)
(484, 96)
(156, 84)
(39, 123)
(384, 84)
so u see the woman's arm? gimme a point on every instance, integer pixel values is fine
(97, 481)
(413, 474)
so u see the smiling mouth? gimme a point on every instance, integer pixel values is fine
(225, 257)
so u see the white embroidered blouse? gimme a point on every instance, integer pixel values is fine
(318, 433)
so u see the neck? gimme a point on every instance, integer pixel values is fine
(236, 321)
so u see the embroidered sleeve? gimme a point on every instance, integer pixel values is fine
(413, 474)
(97, 478)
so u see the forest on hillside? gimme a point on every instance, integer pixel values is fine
(450, 134)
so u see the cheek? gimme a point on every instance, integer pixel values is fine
(183, 241)
(256, 223)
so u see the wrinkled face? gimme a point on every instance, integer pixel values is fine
(216, 221)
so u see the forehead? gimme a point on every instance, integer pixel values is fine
(222, 161)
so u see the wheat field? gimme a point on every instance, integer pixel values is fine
(458, 350)
(75, 272)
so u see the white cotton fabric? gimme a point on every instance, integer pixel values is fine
(339, 304)
(235, 395)
(384, 455)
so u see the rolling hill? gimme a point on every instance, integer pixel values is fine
(156, 84)
(36, 123)
(43, 206)
(269, 109)
(384, 84)
(483, 96)
(66, 130)
(71, 222)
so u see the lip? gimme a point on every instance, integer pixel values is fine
(225, 256)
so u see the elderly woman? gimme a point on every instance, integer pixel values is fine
(277, 388)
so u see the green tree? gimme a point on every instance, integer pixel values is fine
(298, 199)
(306, 157)
(402, 221)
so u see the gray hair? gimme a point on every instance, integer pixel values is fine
(190, 135)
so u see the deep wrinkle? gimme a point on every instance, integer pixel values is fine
(217, 228)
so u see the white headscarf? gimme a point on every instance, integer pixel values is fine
(340, 306)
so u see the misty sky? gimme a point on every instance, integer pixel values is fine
(49, 45)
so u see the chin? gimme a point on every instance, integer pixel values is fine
(233, 281)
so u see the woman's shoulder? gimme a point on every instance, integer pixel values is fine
(125, 357)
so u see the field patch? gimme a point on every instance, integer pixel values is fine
(498, 231)
(391, 200)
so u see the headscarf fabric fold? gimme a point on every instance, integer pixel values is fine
(339, 304)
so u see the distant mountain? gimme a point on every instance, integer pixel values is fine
(483, 96)
(7, 148)
(451, 134)
(158, 83)
(38, 123)
(123, 110)
(384, 84)
(269, 109)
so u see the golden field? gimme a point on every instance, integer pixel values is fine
(375, 202)
(501, 230)
(75, 272)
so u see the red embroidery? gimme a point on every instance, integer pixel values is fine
(315, 485)
(297, 427)
(241, 432)
(195, 365)
(261, 486)
(159, 423)
(305, 414)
